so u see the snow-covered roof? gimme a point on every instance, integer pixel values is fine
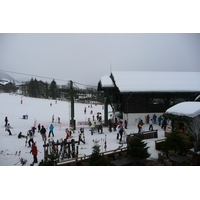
(106, 82)
(189, 109)
(154, 81)
(4, 82)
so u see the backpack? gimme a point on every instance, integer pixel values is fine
(121, 129)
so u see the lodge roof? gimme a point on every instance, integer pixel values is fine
(151, 81)
(189, 109)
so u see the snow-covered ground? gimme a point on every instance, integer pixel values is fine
(79, 182)
(40, 111)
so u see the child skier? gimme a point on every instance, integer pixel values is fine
(34, 152)
(67, 133)
(8, 127)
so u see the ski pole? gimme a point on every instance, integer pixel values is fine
(14, 130)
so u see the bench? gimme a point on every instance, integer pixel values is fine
(158, 144)
(150, 134)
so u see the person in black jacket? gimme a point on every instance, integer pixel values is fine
(121, 131)
(21, 136)
(6, 121)
(43, 134)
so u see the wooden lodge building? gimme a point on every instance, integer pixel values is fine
(134, 94)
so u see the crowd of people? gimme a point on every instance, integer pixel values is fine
(30, 136)
(96, 125)
(151, 121)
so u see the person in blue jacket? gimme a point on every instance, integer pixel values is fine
(51, 130)
(154, 118)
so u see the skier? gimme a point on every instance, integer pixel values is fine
(159, 120)
(8, 127)
(53, 119)
(33, 130)
(34, 152)
(100, 128)
(148, 118)
(110, 123)
(115, 124)
(121, 131)
(43, 134)
(100, 117)
(92, 130)
(118, 129)
(39, 128)
(140, 124)
(80, 136)
(51, 130)
(89, 123)
(59, 120)
(151, 125)
(72, 128)
(82, 130)
(6, 121)
(154, 118)
(30, 135)
(94, 125)
(21, 136)
(125, 124)
(164, 124)
(97, 116)
(67, 133)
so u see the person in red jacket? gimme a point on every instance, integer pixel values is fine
(34, 152)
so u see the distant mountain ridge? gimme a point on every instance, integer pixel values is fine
(4, 76)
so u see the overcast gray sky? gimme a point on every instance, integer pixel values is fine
(85, 58)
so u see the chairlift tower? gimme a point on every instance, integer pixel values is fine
(72, 120)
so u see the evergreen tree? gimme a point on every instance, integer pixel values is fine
(51, 160)
(46, 90)
(96, 159)
(10, 87)
(136, 147)
(174, 141)
(33, 88)
(53, 89)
